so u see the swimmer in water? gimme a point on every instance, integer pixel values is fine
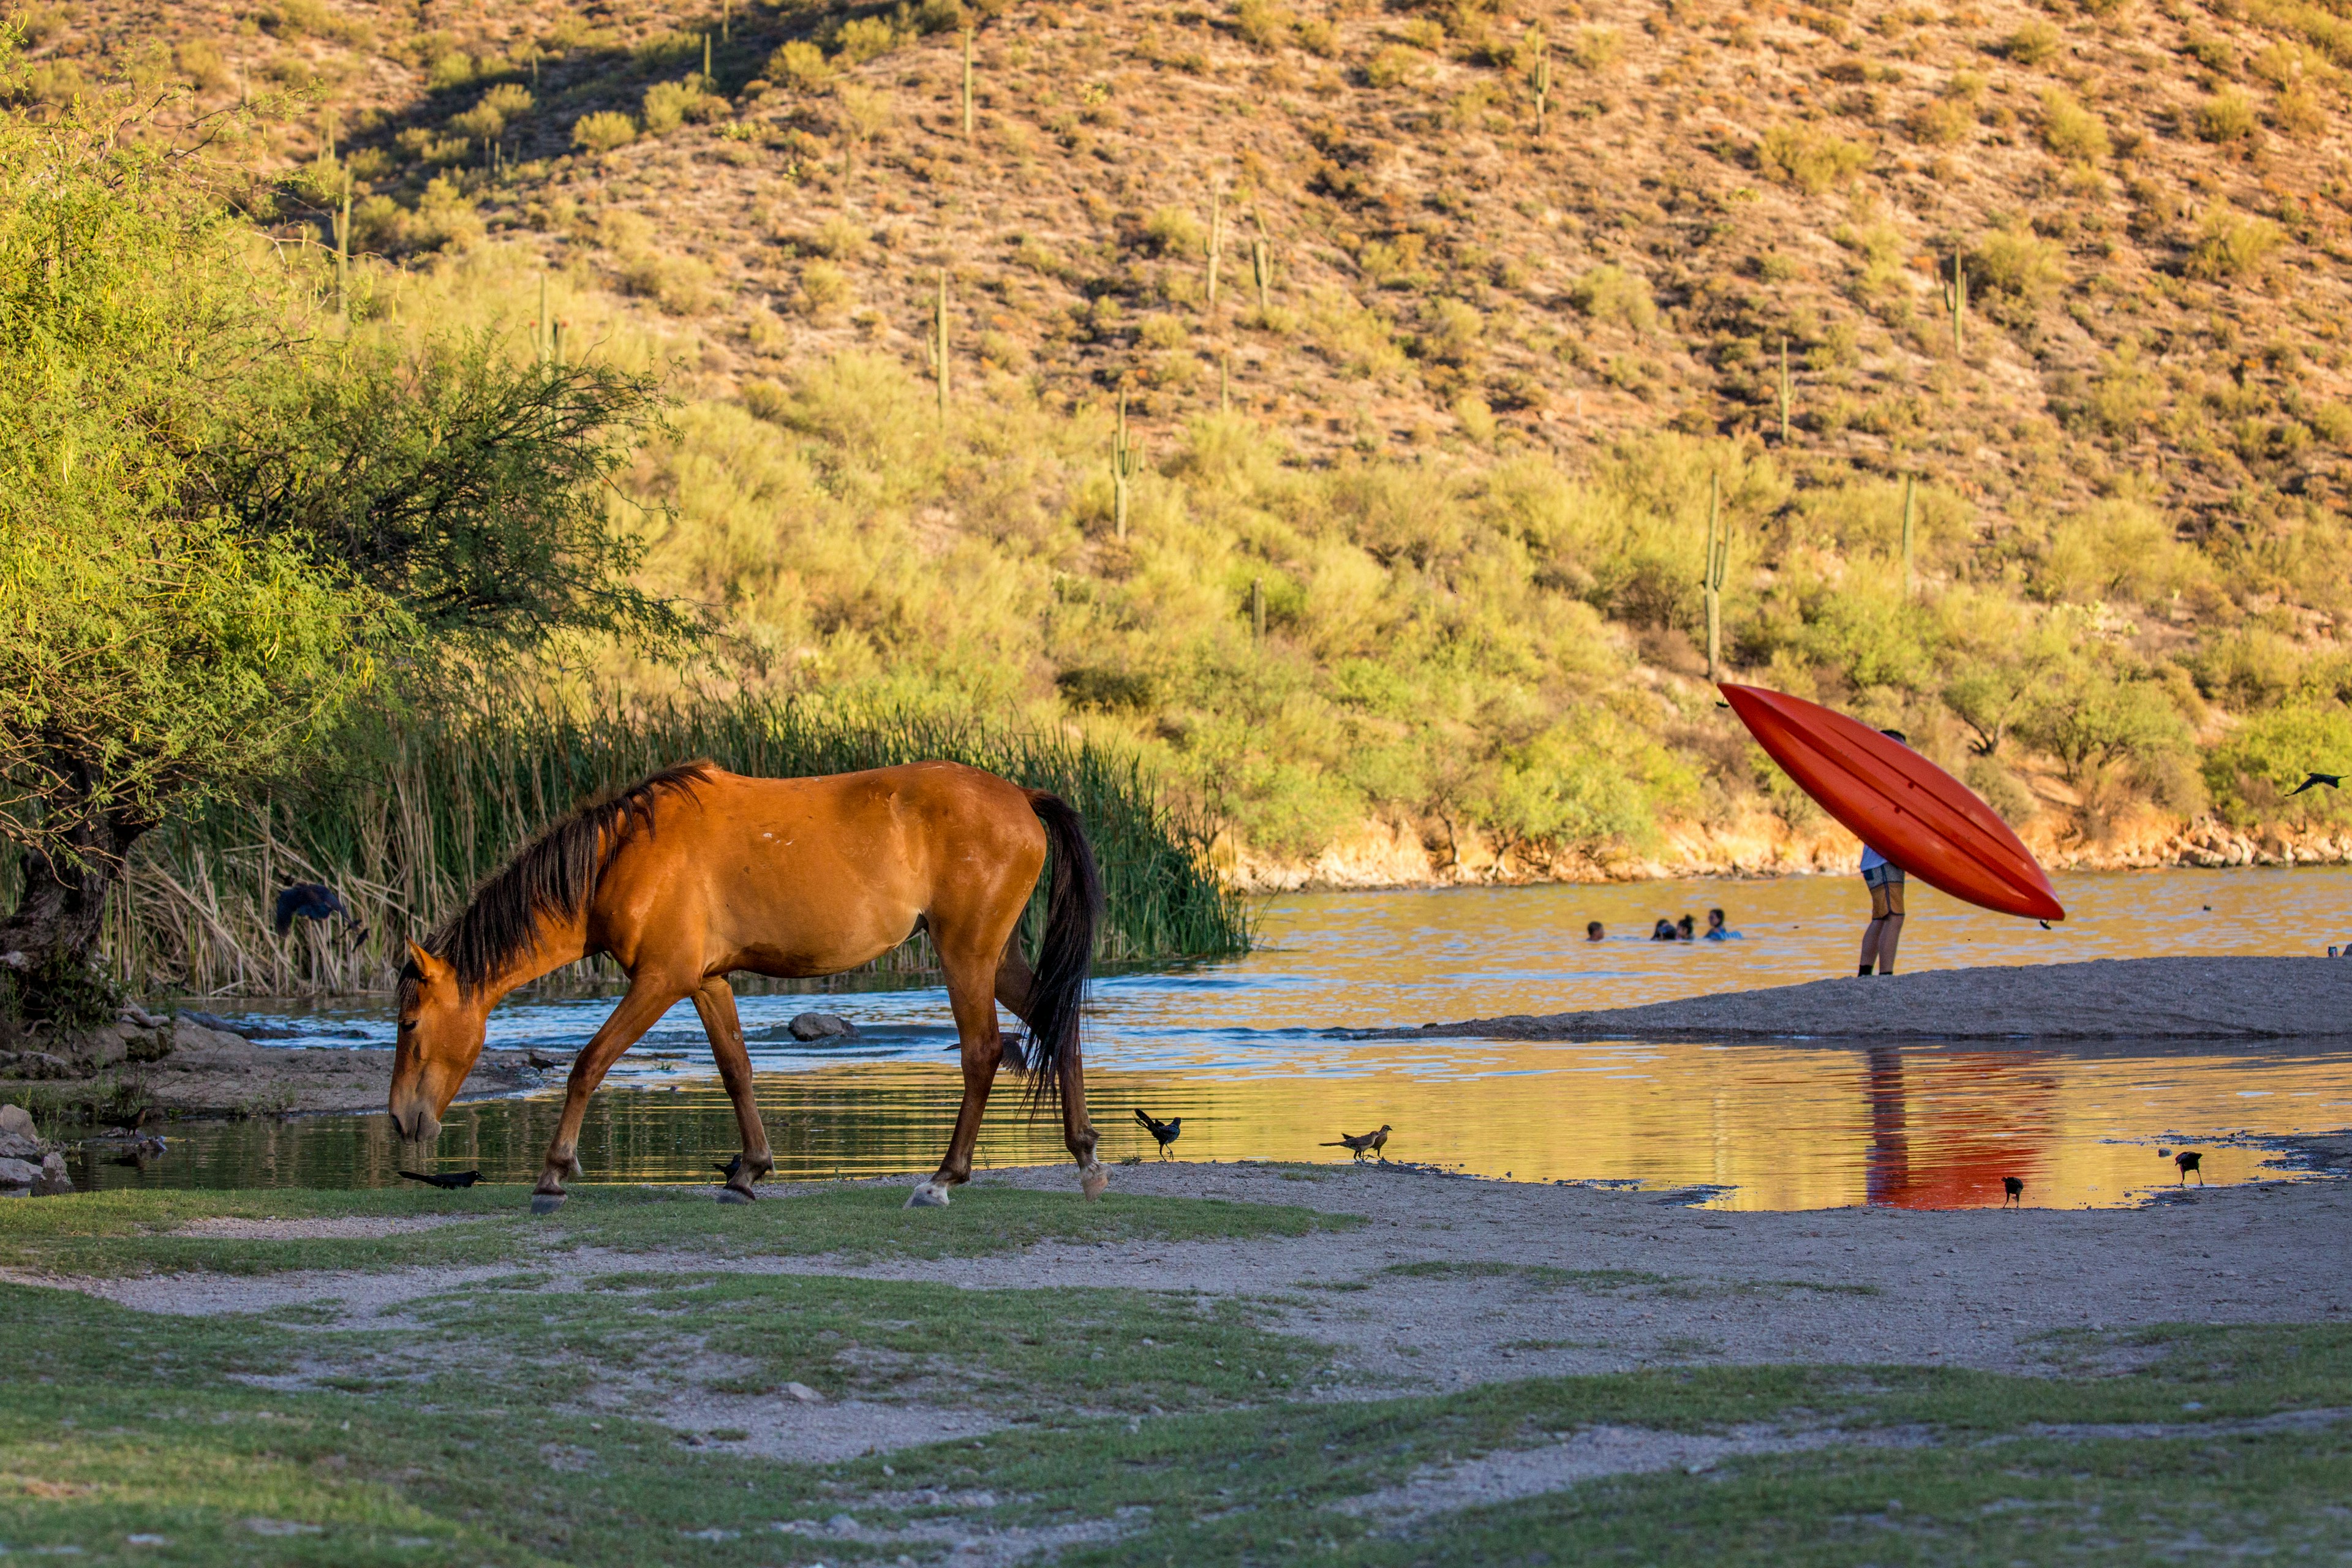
(1883, 877)
(1685, 929)
(1717, 931)
(1663, 931)
(1592, 932)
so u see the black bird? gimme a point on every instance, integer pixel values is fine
(312, 901)
(2189, 1159)
(1363, 1144)
(2333, 781)
(1166, 1131)
(2015, 1190)
(444, 1181)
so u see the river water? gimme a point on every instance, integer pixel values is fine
(1245, 1053)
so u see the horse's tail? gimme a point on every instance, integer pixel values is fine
(1073, 909)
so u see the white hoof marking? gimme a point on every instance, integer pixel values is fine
(928, 1195)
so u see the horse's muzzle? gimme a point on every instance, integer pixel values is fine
(416, 1124)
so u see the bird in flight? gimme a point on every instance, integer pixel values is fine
(314, 902)
(2014, 1190)
(2312, 780)
(451, 1179)
(1166, 1131)
(1363, 1144)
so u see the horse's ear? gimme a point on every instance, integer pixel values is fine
(428, 968)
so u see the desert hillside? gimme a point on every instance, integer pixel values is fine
(1436, 328)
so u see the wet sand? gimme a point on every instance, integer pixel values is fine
(2136, 999)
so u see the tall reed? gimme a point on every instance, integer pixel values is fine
(430, 808)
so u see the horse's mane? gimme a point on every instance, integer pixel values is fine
(554, 875)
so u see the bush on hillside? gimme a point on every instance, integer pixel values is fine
(602, 130)
(1814, 162)
(799, 65)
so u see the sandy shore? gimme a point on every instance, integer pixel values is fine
(2138, 999)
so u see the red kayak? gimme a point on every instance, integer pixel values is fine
(1902, 805)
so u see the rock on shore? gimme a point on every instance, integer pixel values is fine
(2105, 999)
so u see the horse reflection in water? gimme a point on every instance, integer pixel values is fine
(1956, 1156)
(694, 873)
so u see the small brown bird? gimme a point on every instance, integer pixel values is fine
(1166, 1131)
(1364, 1143)
(2014, 1190)
(2189, 1159)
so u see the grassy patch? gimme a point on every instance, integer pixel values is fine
(120, 1233)
(1027, 1351)
(122, 1424)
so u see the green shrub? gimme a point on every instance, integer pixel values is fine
(670, 104)
(602, 130)
(2071, 131)
(1814, 162)
(2034, 44)
(865, 38)
(2091, 718)
(2018, 262)
(1610, 293)
(2227, 116)
(799, 65)
(1596, 49)
(2229, 244)
(1940, 123)
(2252, 771)
(1393, 65)
(2116, 550)
(1174, 231)
(1265, 26)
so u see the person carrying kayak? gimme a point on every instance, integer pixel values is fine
(1883, 877)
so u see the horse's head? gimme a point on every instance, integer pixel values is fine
(441, 1031)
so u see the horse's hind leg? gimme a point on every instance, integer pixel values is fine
(716, 1003)
(1014, 980)
(971, 995)
(639, 1010)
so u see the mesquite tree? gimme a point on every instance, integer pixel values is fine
(220, 532)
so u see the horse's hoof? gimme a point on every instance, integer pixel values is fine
(928, 1195)
(737, 1196)
(546, 1203)
(1095, 1183)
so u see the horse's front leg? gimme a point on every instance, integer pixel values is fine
(716, 1003)
(647, 1000)
(969, 993)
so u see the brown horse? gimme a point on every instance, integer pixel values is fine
(694, 873)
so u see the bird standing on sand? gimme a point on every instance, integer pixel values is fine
(2014, 1191)
(2312, 780)
(1166, 1131)
(1361, 1144)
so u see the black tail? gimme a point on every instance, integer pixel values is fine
(1073, 909)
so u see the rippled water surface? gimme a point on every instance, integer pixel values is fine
(1242, 1052)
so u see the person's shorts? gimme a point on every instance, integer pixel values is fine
(1885, 885)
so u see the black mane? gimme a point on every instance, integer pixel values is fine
(554, 875)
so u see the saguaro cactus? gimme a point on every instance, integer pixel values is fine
(1718, 549)
(1786, 398)
(343, 255)
(1216, 243)
(1261, 265)
(967, 84)
(939, 340)
(1539, 80)
(1910, 578)
(1956, 298)
(1126, 462)
(1257, 609)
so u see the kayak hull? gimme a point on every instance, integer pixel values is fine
(1899, 803)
